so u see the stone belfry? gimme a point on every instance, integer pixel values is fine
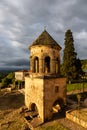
(45, 55)
(45, 88)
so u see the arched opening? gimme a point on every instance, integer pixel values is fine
(47, 64)
(58, 109)
(57, 63)
(34, 110)
(58, 105)
(33, 107)
(36, 65)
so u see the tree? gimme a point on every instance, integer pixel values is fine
(69, 57)
(5, 82)
(9, 79)
(79, 67)
(2, 75)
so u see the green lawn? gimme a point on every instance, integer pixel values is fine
(76, 86)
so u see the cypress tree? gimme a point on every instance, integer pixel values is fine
(79, 67)
(69, 57)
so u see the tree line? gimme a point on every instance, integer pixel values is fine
(7, 79)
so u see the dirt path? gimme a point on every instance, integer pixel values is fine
(10, 111)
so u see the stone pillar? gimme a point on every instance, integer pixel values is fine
(40, 65)
(57, 67)
(53, 66)
(32, 65)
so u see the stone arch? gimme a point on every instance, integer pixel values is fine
(57, 105)
(33, 108)
(47, 54)
(50, 59)
(36, 64)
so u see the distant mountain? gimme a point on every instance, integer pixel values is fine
(6, 70)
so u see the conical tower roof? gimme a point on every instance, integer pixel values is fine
(46, 40)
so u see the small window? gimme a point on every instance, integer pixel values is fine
(56, 89)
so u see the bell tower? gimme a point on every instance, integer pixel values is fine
(45, 88)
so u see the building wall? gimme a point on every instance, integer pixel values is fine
(19, 75)
(42, 92)
(41, 52)
(51, 95)
(34, 94)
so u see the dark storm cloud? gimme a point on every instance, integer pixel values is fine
(21, 21)
(18, 62)
(15, 64)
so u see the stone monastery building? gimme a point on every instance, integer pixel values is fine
(45, 89)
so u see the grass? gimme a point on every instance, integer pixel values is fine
(53, 126)
(76, 86)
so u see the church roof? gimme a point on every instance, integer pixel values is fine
(45, 39)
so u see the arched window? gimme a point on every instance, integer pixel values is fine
(58, 105)
(36, 65)
(47, 64)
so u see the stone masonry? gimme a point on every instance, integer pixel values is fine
(45, 88)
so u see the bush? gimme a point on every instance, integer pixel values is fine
(9, 79)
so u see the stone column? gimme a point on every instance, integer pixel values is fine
(32, 65)
(53, 66)
(40, 65)
(57, 67)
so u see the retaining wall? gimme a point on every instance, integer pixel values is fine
(76, 119)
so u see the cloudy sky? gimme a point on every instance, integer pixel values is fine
(21, 21)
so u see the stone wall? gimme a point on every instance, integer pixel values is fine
(76, 119)
(19, 75)
(41, 52)
(44, 86)
(41, 91)
(51, 95)
(34, 94)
